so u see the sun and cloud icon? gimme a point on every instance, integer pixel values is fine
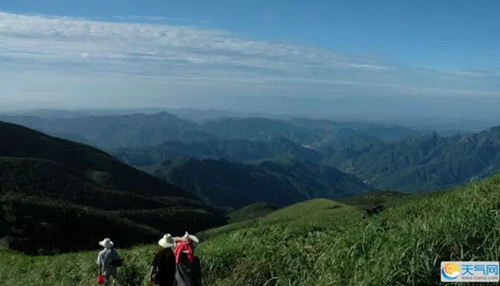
(450, 271)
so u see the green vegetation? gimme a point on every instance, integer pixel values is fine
(71, 269)
(37, 225)
(281, 182)
(58, 196)
(50, 186)
(21, 142)
(401, 246)
(252, 211)
(315, 243)
(374, 198)
(420, 164)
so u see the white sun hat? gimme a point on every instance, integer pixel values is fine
(193, 238)
(106, 243)
(166, 241)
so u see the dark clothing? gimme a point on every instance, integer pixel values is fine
(164, 262)
(187, 273)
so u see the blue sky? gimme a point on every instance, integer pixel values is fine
(208, 53)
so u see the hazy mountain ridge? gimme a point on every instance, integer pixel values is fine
(120, 130)
(335, 129)
(386, 156)
(238, 150)
(139, 130)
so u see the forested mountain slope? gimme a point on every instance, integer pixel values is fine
(49, 186)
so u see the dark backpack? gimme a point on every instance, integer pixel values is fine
(116, 262)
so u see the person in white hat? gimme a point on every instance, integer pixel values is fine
(187, 267)
(108, 260)
(162, 271)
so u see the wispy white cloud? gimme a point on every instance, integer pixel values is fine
(135, 51)
(67, 37)
(474, 73)
(143, 17)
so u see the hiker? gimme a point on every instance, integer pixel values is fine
(108, 261)
(187, 266)
(162, 271)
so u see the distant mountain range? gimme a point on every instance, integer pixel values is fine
(61, 113)
(139, 130)
(383, 156)
(238, 150)
(281, 181)
(53, 189)
(419, 164)
(116, 131)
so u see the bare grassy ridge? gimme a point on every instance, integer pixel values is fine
(332, 246)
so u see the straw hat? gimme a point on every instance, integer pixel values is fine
(106, 243)
(166, 241)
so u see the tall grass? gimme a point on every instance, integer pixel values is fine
(317, 245)
(402, 246)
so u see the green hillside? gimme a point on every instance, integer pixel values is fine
(21, 142)
(281, 182)
(422, 163)
(315, 180)
(49, 186)
(35, 177)
(402, 246)
(252, 211)
(37, 225)
(319, 242)
(375, 198)
(240, 150)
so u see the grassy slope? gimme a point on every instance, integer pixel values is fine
(374, 198)
(312, 244)
(403, 246)
(252, 211)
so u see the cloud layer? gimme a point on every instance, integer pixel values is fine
(158, 61)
